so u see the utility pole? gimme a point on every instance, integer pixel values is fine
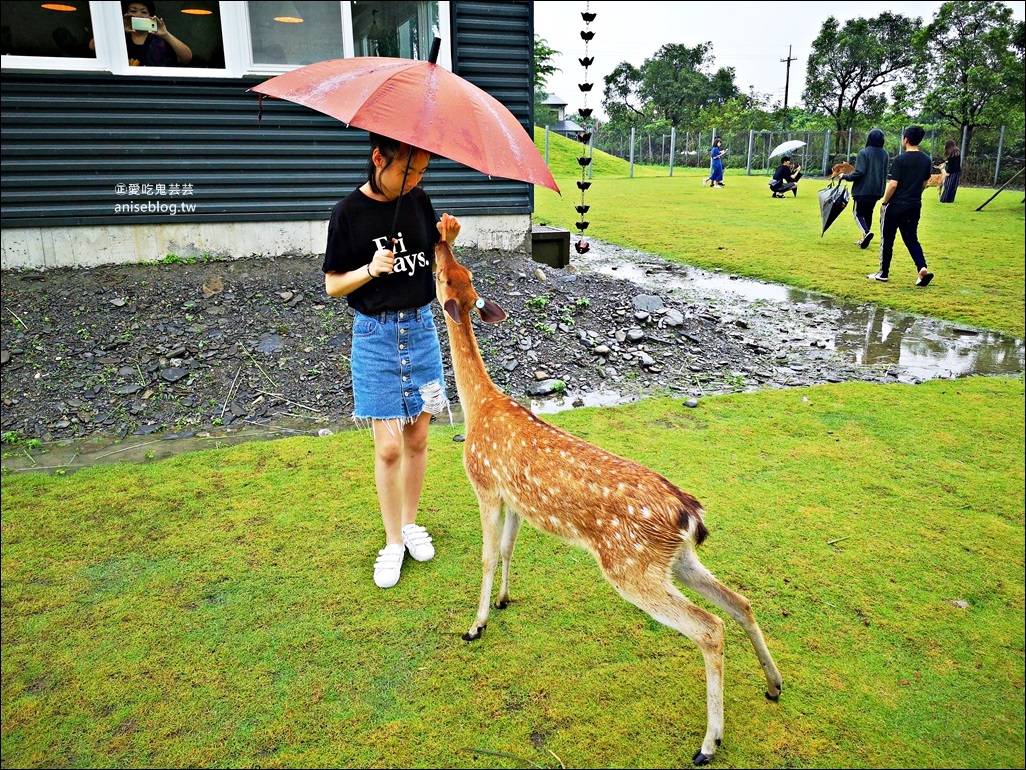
(787, 80)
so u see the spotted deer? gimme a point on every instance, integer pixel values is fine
(840, 168)
(642, 530)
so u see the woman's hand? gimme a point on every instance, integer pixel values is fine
(449, 228)
(381, 263)
(161, 27)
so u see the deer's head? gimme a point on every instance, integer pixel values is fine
(456, 292)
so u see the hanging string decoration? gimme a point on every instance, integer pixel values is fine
(584, 137)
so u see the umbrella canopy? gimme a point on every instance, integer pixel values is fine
(421, 104)
(832, 201)
(786, 147)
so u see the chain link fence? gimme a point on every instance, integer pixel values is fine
(992, 157)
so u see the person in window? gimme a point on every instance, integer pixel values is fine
(786, 178)
(152, 49)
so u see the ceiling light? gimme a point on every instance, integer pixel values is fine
(289, 14)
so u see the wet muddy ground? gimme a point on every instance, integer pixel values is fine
(141, 361)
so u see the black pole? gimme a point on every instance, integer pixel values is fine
(787, 81)
(1002, 187)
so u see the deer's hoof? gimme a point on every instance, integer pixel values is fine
(776, 697)
(502, 604)
(470, 637)
(700, 759)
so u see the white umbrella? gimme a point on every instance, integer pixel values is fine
(786, 147)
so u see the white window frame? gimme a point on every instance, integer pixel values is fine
(112, 54)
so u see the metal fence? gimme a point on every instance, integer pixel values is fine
(992, 157)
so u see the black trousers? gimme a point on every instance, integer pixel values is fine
(783, 187)
(863, 213)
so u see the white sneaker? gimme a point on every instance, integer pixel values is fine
(418, 542)
(388, 565)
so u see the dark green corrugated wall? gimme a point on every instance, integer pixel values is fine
(69, 140)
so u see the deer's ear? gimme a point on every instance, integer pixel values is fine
(452, 310)
(492, 313)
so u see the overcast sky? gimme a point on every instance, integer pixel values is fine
(751, 37)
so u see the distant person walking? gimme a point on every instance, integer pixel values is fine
(716, 152)
(868, 182)
(951, 172)
(902, 204)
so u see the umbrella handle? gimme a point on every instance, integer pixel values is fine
(393, 235)
(433, 58)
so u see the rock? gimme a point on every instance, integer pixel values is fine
(647, 302)
(546, 388)
(173, 374)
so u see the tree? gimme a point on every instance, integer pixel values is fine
(850, 67)
(745, 112)
(621, 98)
(543, 70)
(675, 85)
(975, 72)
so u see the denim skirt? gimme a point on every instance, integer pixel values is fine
(397, 366)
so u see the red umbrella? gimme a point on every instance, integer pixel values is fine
(421, 104)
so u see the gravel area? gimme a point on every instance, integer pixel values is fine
(174, 348)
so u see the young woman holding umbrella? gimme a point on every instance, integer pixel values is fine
(379, 258)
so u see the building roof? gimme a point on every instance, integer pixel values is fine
(554, 101)
(564, 127)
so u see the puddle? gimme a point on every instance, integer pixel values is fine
(916, 347)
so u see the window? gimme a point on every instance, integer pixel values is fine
(295, 33)
(403, 29)
(194, 34)
(223, 39)
(58, 30)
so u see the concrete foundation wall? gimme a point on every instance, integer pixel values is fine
(34, 248)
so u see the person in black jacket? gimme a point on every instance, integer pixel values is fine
(786, 178)
(869, 180)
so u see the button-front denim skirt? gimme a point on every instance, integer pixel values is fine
(397, 366)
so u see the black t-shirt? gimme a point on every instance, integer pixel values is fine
(783, 173)
(359, 226)
(953, 165)
(911, 169)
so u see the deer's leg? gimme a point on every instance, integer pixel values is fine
(695, 575)
(510, 530)
(666, 604)
(491, 515)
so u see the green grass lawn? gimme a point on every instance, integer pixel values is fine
(216, 609)
(976, 256)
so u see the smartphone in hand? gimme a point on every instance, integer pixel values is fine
(144, 25)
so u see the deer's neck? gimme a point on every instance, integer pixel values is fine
(472, 380)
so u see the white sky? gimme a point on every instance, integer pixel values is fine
(751, 37)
